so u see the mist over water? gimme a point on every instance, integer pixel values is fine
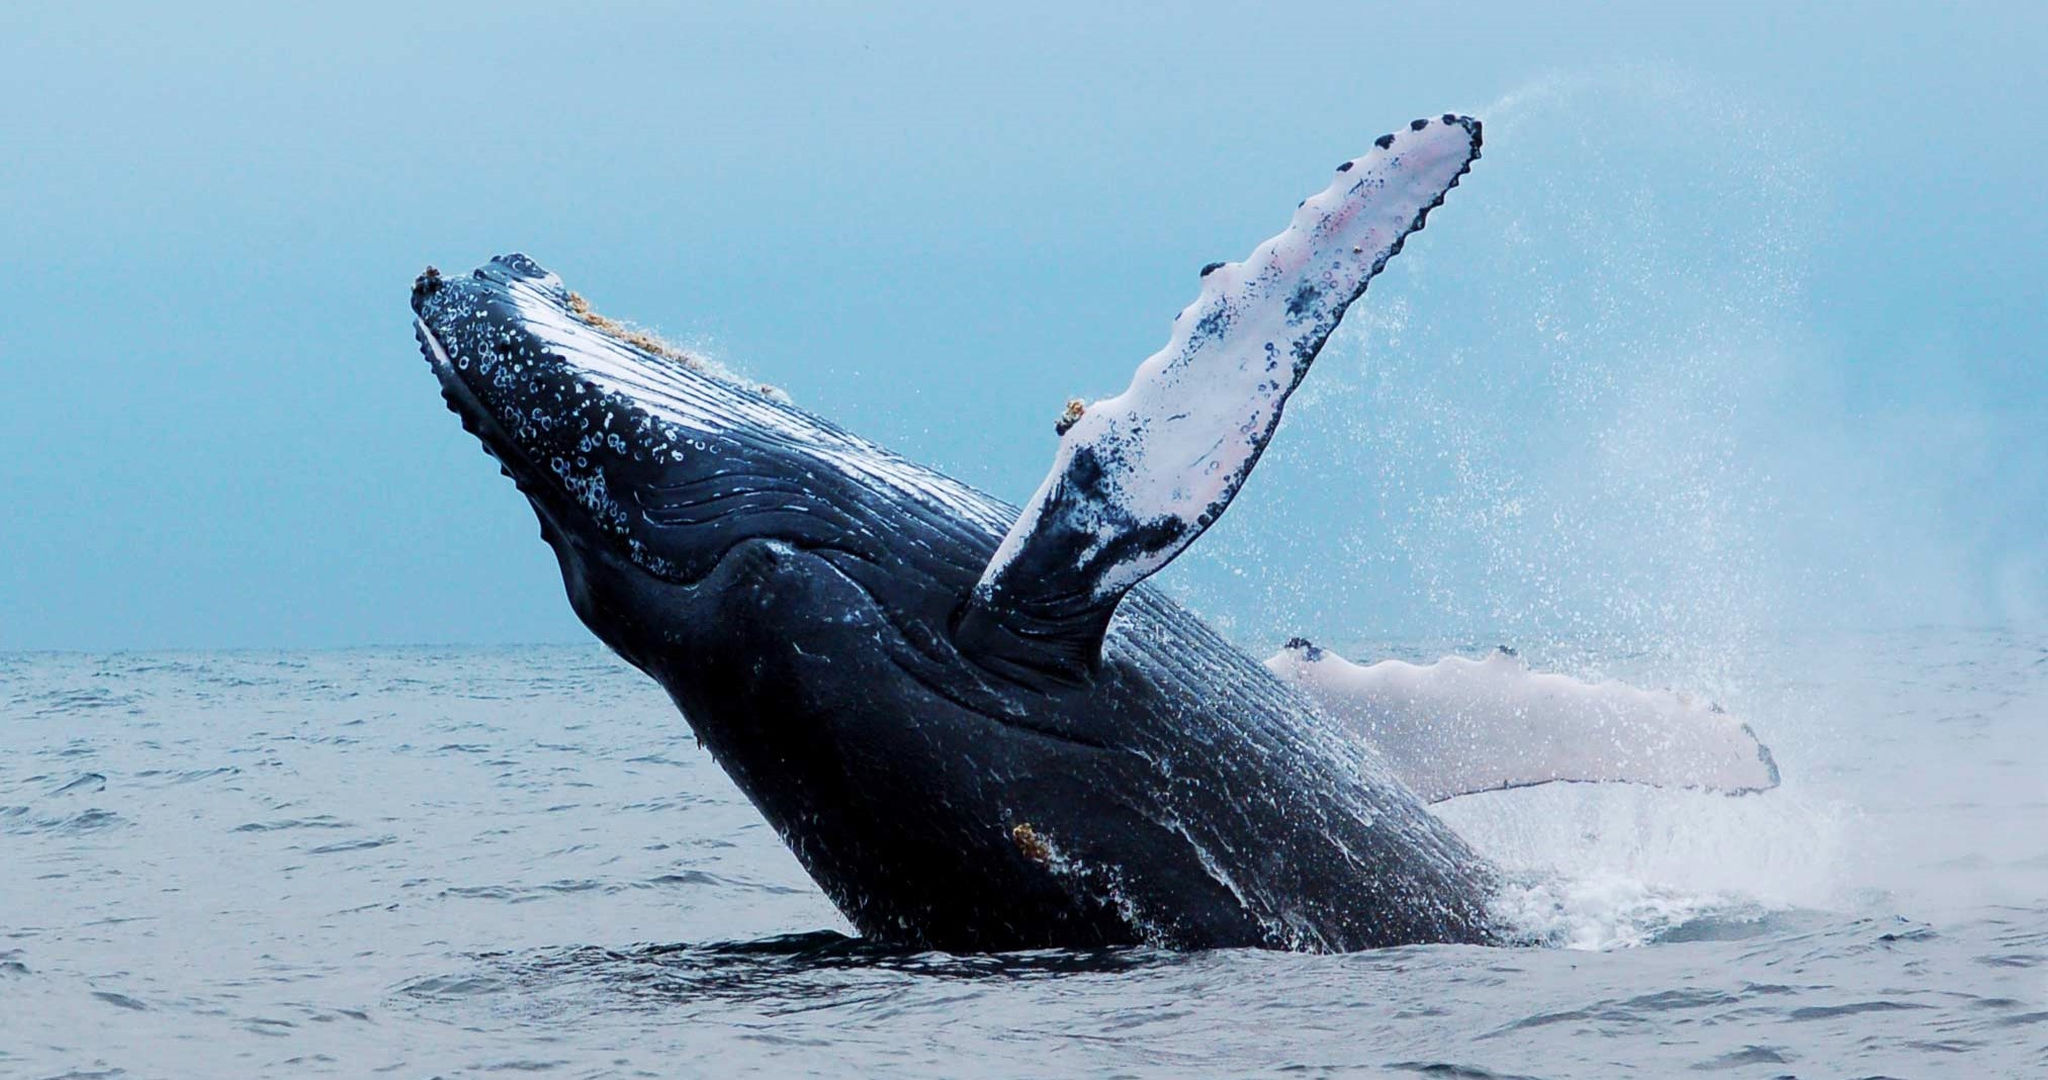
(1613, 442)
(1587, 406)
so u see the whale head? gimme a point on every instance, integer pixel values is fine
(647, 466)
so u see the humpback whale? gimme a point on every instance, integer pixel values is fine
(975, 725)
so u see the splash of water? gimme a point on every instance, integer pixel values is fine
(1539, 430)
(1559, 426)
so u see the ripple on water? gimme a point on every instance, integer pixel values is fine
(91, 821)
(1748, 1055)
(1453, 1071)
(360, 844)
(121, 1001)
(318, 821)
(86, 783)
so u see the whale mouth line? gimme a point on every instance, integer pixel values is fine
(498, 443)
(477, 419)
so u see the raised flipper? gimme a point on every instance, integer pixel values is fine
(1140, 475)
(1460, 726)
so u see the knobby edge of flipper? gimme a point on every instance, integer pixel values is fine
(1139, 476)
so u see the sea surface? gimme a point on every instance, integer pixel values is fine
(424, 863)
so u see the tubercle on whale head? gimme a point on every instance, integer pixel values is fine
(560, 396)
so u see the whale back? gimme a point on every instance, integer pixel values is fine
(1185, 798)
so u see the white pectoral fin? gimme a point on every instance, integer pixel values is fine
(1138, 476)
(1460, 726)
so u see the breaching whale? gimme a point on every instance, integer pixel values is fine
(976, 727)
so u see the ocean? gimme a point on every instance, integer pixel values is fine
(460, 862)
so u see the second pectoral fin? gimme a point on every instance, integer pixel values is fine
(1460, 726)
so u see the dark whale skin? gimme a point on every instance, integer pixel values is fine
(799, 612)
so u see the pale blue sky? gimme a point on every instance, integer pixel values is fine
(1738, 322)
